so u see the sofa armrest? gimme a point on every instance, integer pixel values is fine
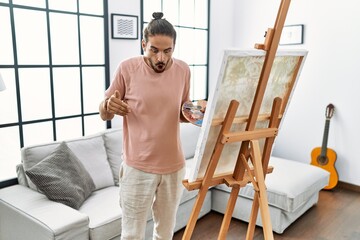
(27, 214)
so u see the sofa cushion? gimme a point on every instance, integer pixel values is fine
(113, 145)
(104, 213)
(90, 151)
(62, 177)
(290, 185)
(189, 134)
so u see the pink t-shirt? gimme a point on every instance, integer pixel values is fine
(151, 135)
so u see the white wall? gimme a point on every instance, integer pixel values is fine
(221, 35)
(330, 75)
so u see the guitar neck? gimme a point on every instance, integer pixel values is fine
(325, 137)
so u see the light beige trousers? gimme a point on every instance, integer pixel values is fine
(140, 192)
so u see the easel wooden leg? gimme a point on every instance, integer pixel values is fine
(261, 196)
(195, 213)
(228, 213)
(274, 122)
(253, 216)
(232, 201)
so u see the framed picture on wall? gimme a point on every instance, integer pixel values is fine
(292, 35)
(124, 26)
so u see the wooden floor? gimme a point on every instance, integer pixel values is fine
(335, 217)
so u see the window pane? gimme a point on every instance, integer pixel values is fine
(8, 103)
(93, 88)
(68, 129)
(200, 43)
(198, 83)
(64, 38)
(151, 6)
(6, 47)
(32, 136)
(92, 40)
(185, 45)
(32, 3)
(4, 1)
(192, 45)
(31, 37)
(35, 93)
(91, 7)
(64, 5)
(187, 16)
(9, 152)
(67, 91)
(171, 11)
(94, 124)
(201, 10)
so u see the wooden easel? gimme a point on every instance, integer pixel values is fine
(249, 149)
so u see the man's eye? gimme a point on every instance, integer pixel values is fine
(154, 50)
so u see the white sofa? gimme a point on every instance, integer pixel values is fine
(28, 214)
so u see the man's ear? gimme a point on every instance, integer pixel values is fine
(143, 44)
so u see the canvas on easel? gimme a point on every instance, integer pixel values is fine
(238, 79)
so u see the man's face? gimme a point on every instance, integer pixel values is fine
(158, 52)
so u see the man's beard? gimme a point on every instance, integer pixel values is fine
(158, 67)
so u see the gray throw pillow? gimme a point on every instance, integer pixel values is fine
(62, 177)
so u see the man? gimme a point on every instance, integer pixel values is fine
(148, 91)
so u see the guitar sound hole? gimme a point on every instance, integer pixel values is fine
(322, 160)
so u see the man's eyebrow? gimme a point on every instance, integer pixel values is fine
(155, 48)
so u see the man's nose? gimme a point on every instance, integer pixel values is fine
(160, 56)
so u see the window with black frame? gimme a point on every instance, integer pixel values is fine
(191, 20)
(54, 64)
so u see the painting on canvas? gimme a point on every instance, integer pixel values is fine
(238, 80)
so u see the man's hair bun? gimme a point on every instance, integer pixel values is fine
(159, 26)
(157, 15)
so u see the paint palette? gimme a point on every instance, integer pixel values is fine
(194, 111)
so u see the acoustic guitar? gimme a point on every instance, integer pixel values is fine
(323, 156)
